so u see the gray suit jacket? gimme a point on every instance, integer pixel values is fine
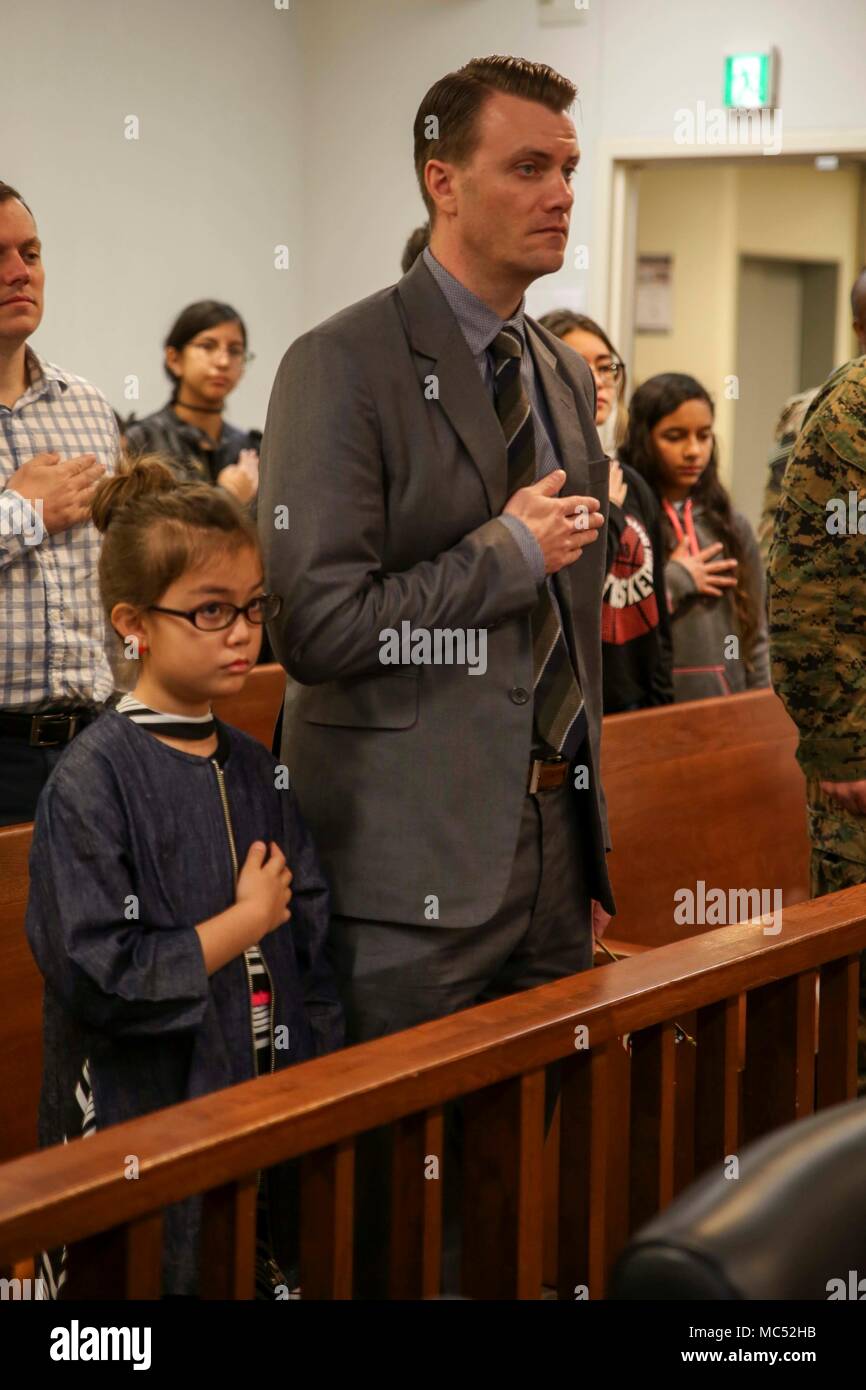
(412, 778)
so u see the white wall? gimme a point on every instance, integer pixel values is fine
(134, 230)
(375, 60)
(261, 126)
(635, 64)
(659, 57)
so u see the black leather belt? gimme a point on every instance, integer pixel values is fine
(48, 729)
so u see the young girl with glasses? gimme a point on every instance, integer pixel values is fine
(177, 909)
(713, 568)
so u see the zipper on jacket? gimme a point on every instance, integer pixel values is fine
(262, 1183)
(228, 822)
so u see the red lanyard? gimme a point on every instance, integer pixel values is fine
(690, 525)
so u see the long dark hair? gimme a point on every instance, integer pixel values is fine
(194, 319)
(562, 321)
(654, 399)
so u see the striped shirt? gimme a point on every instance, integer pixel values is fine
(54, 638)
(261, 997)
(172, 725)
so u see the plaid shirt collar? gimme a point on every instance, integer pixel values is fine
(44, 378)
(478, 322)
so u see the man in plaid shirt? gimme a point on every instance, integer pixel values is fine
(57, 438)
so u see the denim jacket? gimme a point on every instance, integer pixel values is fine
(130, 851)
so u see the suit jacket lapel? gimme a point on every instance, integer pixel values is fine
(435, 335)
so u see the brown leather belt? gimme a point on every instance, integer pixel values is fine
(546, 774)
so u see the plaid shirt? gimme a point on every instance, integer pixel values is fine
(54, 638)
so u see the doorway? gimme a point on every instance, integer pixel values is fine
(786, 327)
(734, 227)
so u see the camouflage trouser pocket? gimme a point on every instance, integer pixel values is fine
(830, 873)
(838, 835)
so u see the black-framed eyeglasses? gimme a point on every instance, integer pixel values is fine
(213, 617)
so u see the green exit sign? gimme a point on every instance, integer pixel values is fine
(749, 79)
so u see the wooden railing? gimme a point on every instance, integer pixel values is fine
(636, 1125)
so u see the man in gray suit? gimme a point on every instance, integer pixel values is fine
(432, 492)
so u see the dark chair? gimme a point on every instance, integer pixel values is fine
(793, 1220)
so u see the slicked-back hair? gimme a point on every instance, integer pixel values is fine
(446, 123)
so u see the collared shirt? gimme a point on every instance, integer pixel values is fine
(480, 324)
(54, 637)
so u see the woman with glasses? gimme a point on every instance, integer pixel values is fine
(205, 357)
(635, 624)
(179, 914)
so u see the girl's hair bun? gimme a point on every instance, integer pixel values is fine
(144, 475)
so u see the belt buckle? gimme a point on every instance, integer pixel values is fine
(46, 721)
(535, 767)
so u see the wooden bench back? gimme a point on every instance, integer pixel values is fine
(708, 790)
(20, 1001)
(256, 708)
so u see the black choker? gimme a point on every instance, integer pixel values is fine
(197, 726)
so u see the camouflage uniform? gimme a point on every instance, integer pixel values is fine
(788, 426)
(818, 629)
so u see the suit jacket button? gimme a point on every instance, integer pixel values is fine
(519, 695)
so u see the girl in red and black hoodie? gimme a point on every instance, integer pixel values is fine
(635, 626)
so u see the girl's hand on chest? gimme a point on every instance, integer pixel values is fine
(712, 576)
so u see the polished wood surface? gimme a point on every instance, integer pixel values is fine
(493, 1054)
(20, 1001)
(708, 790)
(256, 707)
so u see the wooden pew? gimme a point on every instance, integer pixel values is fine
(256, 708)
(619, 1137)
(20, 1002)
(708, 790)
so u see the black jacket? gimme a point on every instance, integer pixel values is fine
(636, 648)
(194, 455)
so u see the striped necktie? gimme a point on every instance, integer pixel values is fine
(560, 718)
